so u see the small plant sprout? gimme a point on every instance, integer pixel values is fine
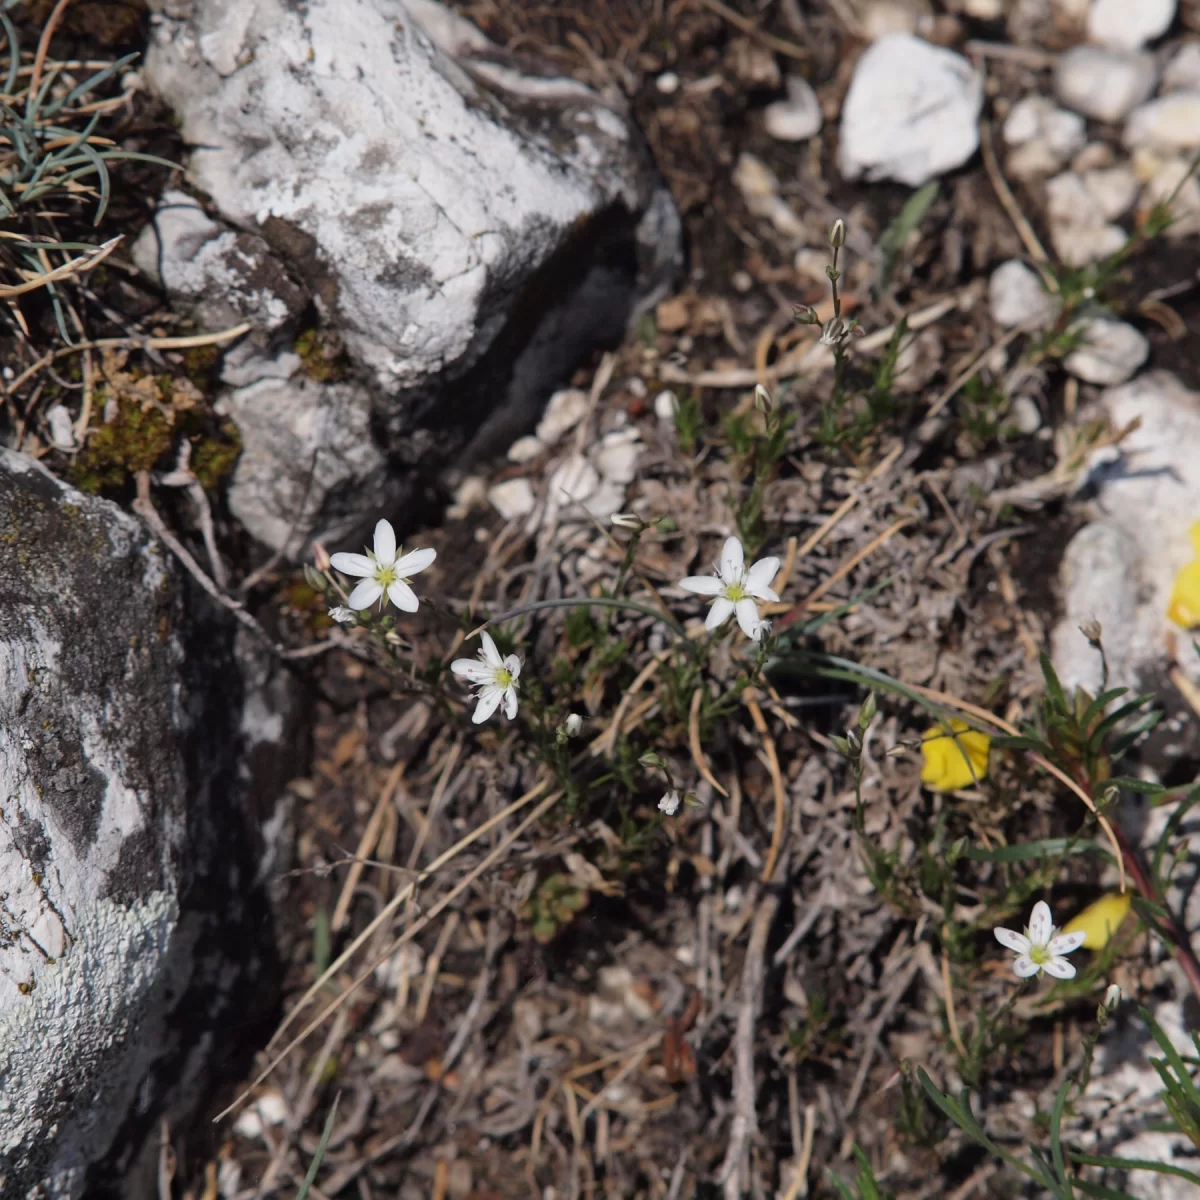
(669, 804)
(494, 676)
(737, 590)
(383, 573)
(1041, 948)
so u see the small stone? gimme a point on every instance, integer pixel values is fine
(1095, 156)
(1182, 73)
(471, 493)
(1114, 190)
(513, 498)
(667, 83)
(1129, 23)
(884, 17)
(753, 64)
(810, 265)
(62, 433)
(1109, 352)
(984, 10)
(1103, 83)
(1170, 123)
(525, 449)
(760, 190)
(1026, 415)
(1079, 245)
(1016, 297)
(1044, 136)
(666, 405)
(616, 458)
(797, 118)
(911, 114)
(564, 411)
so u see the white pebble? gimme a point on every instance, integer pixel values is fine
(1182, 73)
(797, 118)
(1109, 352)
(62, 433)
(1103, 83)
(513, 498)
(1170, 123)
(525, 449)
(1016, 297)
(1026, 415)
(912, 112)
(1114, 190)
(1129, 23)
(667, 83)
(666, 405)
(564, 411)
(1044, 136)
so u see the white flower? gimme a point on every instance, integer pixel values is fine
(1112, 997)
(495, 677)
(384, 573)
(342, 615)
(669, 804)
(574, 724)
(1038, 949)
(737, 590)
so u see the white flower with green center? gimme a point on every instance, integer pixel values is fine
(495, 677)
(669, 804)
(383, 573)
(1041, 948)
(737, 589)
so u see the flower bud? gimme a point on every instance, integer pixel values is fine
(650, 759)
(1112, 997)
(1091, 629)
(315, 579)
(837, 234)
(628, 521)
(320, 556)
(762, 399)
(573, 724)
(805, 314)
(866, 714)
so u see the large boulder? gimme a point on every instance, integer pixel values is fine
(140, 752)
(465, 231)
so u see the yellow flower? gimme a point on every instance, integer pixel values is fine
(1099, 921)
(1184, 608)
(954, 762)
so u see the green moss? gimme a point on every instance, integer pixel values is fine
(214, 456)
(321, 355)
(200, 364)
(133, 442)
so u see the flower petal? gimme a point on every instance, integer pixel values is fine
(402, 596)
(414, 561)
(720, 612)
(747, 616)
(702, 585)
(473, 670)
(352, 564)
(489, 701)
(758, 578)
(733, 558)
(1013, 940)
(1041, 924)
(510, 702)
(1024, 967)
(512, 664)
(365, 595)
(490, 654)
(385, 543)
(1060, 969)
(1066, 942)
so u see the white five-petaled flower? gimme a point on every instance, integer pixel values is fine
(737, 589)
(383, 573)
(669, 804)
(1040, 948)
(495, 677)
(342, 615)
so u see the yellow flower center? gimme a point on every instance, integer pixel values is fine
(735, 592)
(1040, 955)
(384, 576)
(503, 677)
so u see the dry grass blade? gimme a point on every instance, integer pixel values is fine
(694, 743)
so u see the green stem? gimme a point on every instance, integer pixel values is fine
(592, 602)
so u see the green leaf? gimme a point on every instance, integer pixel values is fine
(315, 1165)
(1056, 1115)
(1134, 1164)
(895, 237)
(1054, 688)
(1098, 705)
(1043, 848)
(1100, 1192)
(1130, 783)
(1176, 818)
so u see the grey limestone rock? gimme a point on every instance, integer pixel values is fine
(135, 742)
(468, 230)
